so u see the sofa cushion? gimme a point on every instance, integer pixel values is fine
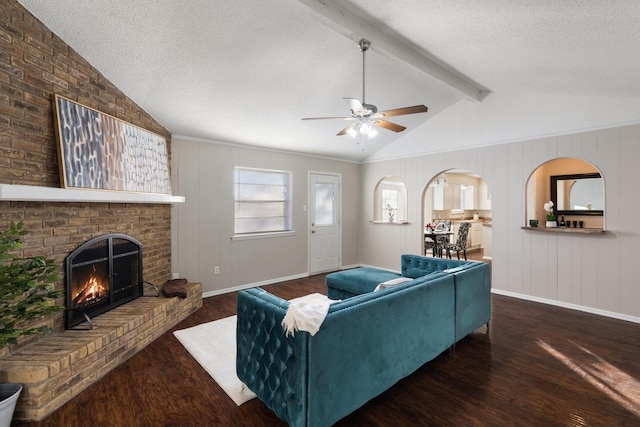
(356, 281)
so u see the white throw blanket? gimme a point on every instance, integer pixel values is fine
(306, 314)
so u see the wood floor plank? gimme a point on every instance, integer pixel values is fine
(537, 365)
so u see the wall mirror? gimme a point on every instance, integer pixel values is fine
(576, 188)
(578, 194)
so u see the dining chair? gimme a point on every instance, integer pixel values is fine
(461, 241)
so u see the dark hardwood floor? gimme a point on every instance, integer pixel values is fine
(537, 365)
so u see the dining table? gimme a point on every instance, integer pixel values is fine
(440, 239)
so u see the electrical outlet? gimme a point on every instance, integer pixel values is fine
(216, 270)
(176, 276)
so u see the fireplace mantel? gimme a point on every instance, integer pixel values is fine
(31, 193)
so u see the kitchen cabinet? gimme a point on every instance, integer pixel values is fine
(466, 197)
(455, 197)
(487, 241)
(443, 197)
(484, 199)
(475, 235)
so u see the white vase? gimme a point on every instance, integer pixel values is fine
(551, 224)
(9, 393)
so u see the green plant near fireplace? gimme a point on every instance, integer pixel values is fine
(26, 288)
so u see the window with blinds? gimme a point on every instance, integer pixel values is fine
(262, 201)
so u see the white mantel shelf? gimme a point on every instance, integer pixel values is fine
(31, 193)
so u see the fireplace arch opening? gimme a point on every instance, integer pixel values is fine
(100, 275)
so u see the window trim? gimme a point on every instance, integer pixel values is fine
(266, 234)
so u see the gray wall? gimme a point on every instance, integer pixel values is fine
(596, 272)
(592, 272)
(202, 171)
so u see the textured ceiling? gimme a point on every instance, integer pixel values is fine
(246, 71)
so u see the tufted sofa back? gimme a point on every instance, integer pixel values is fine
(414, 266)
(364, 346)
(273, 365)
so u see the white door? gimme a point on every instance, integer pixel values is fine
(324, 222)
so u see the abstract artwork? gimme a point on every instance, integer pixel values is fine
(99, 151)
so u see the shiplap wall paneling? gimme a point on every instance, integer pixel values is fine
(628, 231)
(203, 227)
(608, 161)
(499, 203)
(595, 271)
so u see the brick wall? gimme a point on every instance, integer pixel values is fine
(35, 64)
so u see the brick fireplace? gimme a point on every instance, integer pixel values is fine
(35, 64)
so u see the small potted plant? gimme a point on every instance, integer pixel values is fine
(551, 218)
(390, 210)
(26, 294)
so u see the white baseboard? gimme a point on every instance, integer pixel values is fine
(265, 283)
(347, 267)
(254, 285)
(568, 305)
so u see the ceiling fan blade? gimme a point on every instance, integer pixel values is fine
(328, 118)
(388, 125)
(345, 130)
(355, 105)
(406, 110)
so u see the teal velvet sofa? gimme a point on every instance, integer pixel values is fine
(472, 281)
(366, 344)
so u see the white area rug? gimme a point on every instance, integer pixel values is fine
(213, 345)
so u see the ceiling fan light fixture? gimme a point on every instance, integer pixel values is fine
(373, 132)
(367, 117)
(362, 129)
(365, 128)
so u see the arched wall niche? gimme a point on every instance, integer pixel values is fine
(571, 171)
(390, 200)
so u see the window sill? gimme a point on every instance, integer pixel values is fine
(565, 230)
(399, 222)
(238, 237)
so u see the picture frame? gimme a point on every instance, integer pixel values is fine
(99, 151)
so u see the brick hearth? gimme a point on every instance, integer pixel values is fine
(55, 369)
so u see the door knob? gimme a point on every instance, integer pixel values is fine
(313, 231)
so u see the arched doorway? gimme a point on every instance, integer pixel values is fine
(457, 196)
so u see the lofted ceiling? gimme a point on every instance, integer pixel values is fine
(247, 71)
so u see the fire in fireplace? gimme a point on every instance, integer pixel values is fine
(101, 274)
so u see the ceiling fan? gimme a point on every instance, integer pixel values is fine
(365, 116)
